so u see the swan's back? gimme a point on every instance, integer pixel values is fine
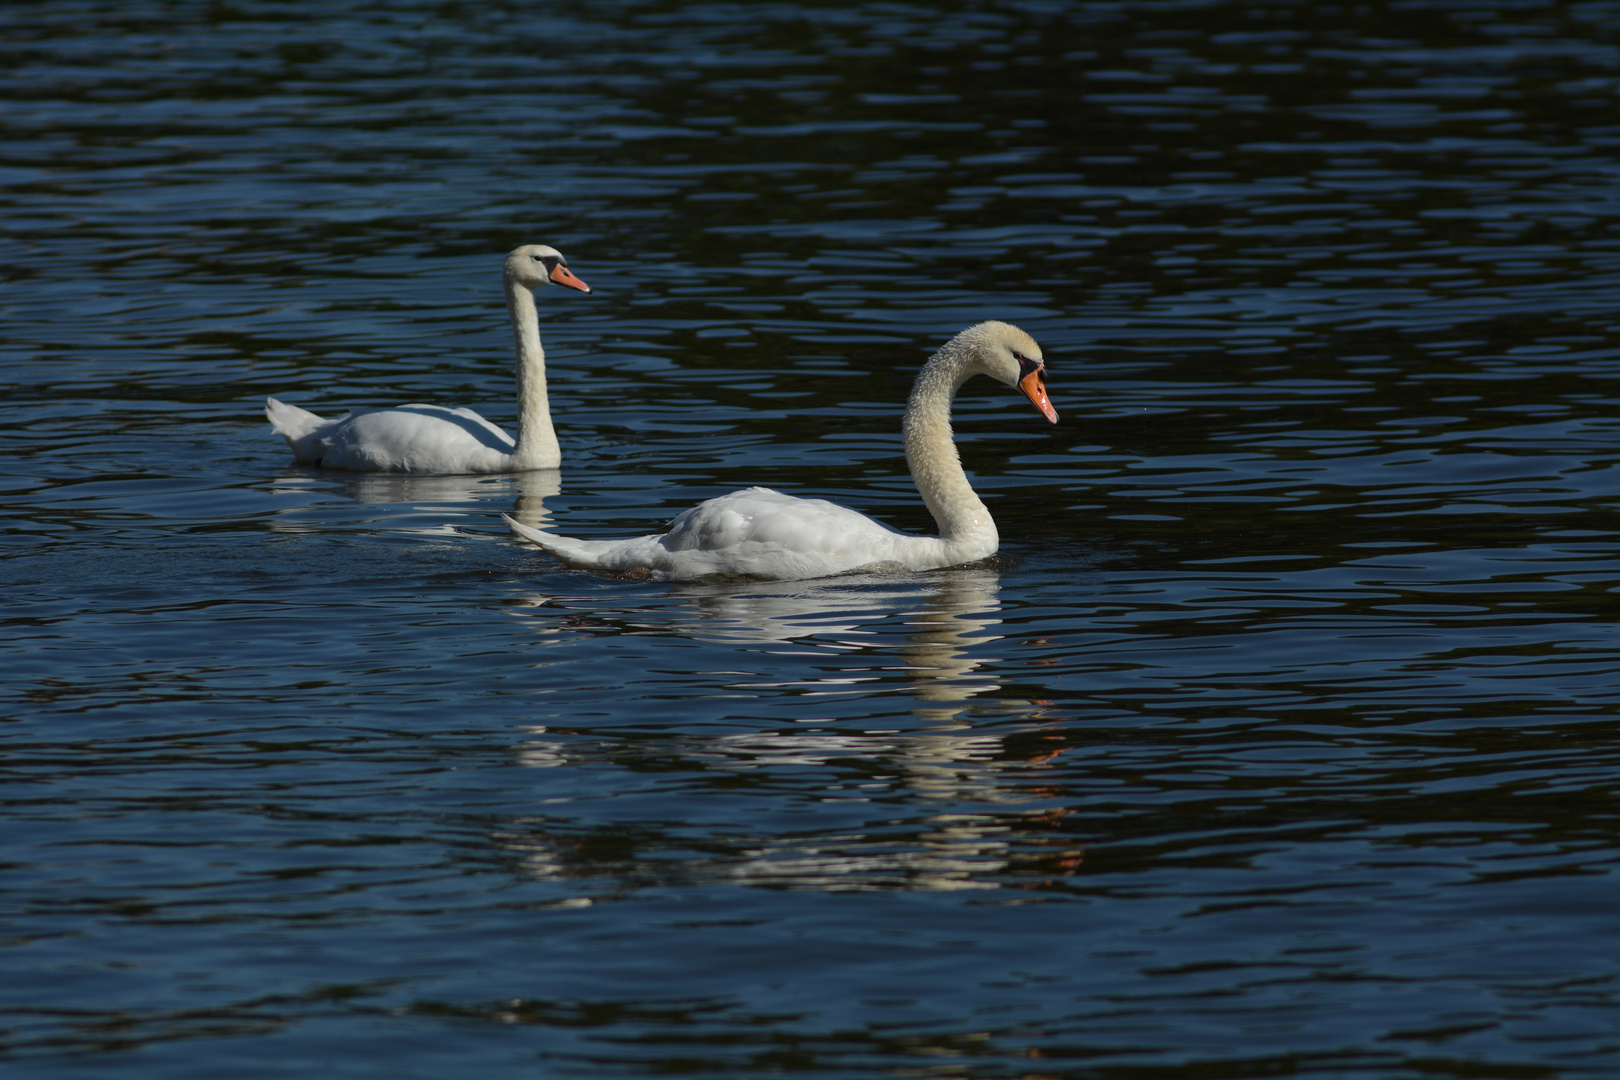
(759, 515)
(756, 532)
(411, 439)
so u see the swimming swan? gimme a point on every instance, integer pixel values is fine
(436, 440)
(762, 533)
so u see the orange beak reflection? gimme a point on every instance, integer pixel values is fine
(1032, 381)
(561, 275)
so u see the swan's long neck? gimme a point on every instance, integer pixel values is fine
(536, 439)
(963, 519)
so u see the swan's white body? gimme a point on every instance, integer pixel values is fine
(432, 438)
(762, 533)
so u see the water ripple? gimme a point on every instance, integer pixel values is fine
(1274, 740)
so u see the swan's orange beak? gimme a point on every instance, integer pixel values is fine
(561, 275)
(1032, 381)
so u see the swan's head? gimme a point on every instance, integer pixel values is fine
(534, 265)
(1011, 357)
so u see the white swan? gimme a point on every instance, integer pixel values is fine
(764, 534)
(436, 440)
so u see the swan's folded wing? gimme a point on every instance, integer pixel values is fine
(497, 439)
(753, 533)
(777, 522)
(418, 439)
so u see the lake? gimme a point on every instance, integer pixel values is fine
(1278, 740)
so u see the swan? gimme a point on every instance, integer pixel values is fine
(762, 533)
(436, 440)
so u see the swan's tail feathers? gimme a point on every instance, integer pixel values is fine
(290, 420)
(301, 428)
(528, 532)
(586, 554)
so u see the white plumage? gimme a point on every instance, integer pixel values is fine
(762, 533)
(439, 440)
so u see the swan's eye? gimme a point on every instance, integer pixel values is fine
(534, 258)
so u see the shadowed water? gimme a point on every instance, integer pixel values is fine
(1278, 740)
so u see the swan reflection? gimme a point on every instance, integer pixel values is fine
(946, 805)
(428, 498)
(944, 640)
(940, 648)
(945, 623)
(768, 611)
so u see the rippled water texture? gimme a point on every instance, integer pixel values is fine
(1279, 740)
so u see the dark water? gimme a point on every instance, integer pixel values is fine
(1280, 739)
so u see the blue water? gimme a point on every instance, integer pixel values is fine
(1279, 740)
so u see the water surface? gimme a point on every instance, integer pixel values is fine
(1278, 740)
